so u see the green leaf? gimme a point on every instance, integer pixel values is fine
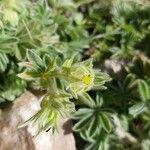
(144, 90)
(82, 123)
(3, 62)
(106, 124)
(12, 87)
(99, 100)
(94, 126)
(85, 135)
(86, 99)
(137, 109)
(79, 44)
(81, 113)
(88, 63)
(35, 58)
(100, 79)
(128, 80)
(68, 63)
(102, 146)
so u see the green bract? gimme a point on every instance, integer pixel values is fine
(81, 77)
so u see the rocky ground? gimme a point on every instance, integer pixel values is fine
(14, 138)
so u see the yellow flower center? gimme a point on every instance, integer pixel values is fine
(86, 79)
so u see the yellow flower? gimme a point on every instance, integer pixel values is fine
(82, 77)
(87, 79)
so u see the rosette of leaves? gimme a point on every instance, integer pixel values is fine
(122, 92)
(94, 124)
(50, 75)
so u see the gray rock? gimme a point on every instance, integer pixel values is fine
(14, 138)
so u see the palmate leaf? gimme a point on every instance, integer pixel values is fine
(36, 66)
(124, 90)
(92, 120)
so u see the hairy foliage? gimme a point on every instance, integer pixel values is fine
(75, 80)
(52, 44)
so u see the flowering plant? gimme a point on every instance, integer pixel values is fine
(75, 80)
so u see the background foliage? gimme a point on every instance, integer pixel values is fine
(53, 44)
